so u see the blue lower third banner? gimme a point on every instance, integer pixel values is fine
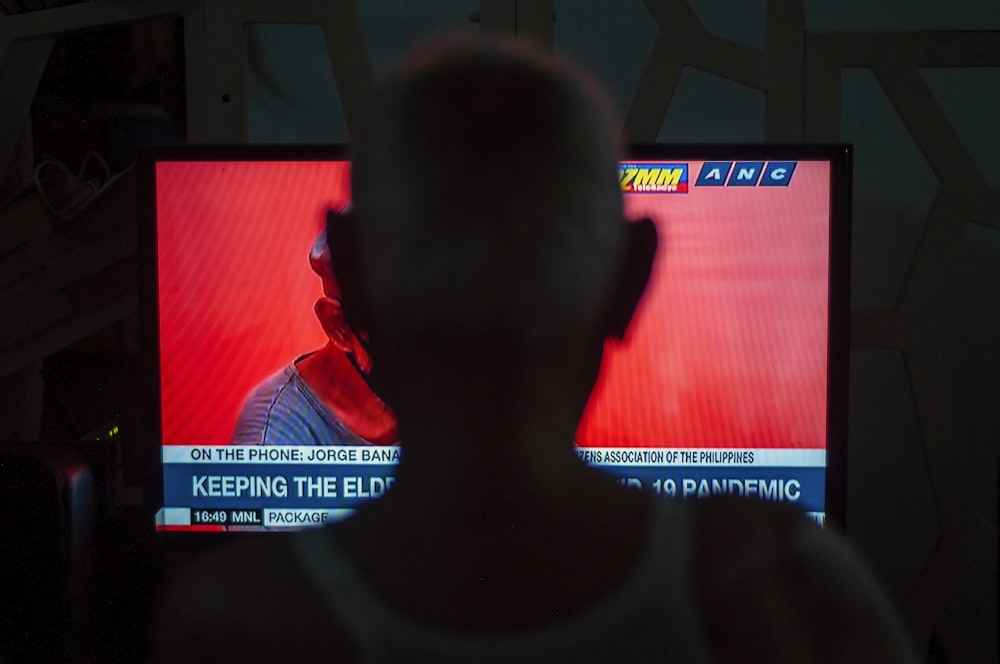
(294, 478)
(234, 485)
(803, 487)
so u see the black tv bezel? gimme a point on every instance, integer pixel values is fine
(840, 157)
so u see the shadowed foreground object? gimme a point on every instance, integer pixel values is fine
(496, 542)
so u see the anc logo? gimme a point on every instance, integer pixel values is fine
(653, 178)
(746, 174)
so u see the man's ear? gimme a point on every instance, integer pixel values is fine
(633, 276)
(331, 317)
(342, 238)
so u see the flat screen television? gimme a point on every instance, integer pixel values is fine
(732, 378)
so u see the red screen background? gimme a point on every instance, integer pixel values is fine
(729, 346)
(235, 287)
(728, 349)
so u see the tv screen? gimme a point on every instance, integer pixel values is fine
(731, 379)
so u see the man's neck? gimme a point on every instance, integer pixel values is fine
(488, 514)
(338, 383)
(503, 446)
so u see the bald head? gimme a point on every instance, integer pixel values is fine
(321, 264)
(487, 198)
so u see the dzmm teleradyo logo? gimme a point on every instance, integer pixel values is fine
(651, 178)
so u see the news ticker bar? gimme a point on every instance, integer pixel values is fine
(390, 454)
(272, 518)
(249, 518)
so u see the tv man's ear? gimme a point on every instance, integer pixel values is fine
(342, 238)
(640, 251)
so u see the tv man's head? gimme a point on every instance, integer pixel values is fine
(329, 309)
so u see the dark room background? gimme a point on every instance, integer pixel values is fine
(913, 85)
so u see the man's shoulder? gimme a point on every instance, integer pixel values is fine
(248, 601)
(276, 384)
(774, 586)
(726, 524)
(280, 410)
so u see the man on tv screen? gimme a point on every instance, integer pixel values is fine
(322, 398)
